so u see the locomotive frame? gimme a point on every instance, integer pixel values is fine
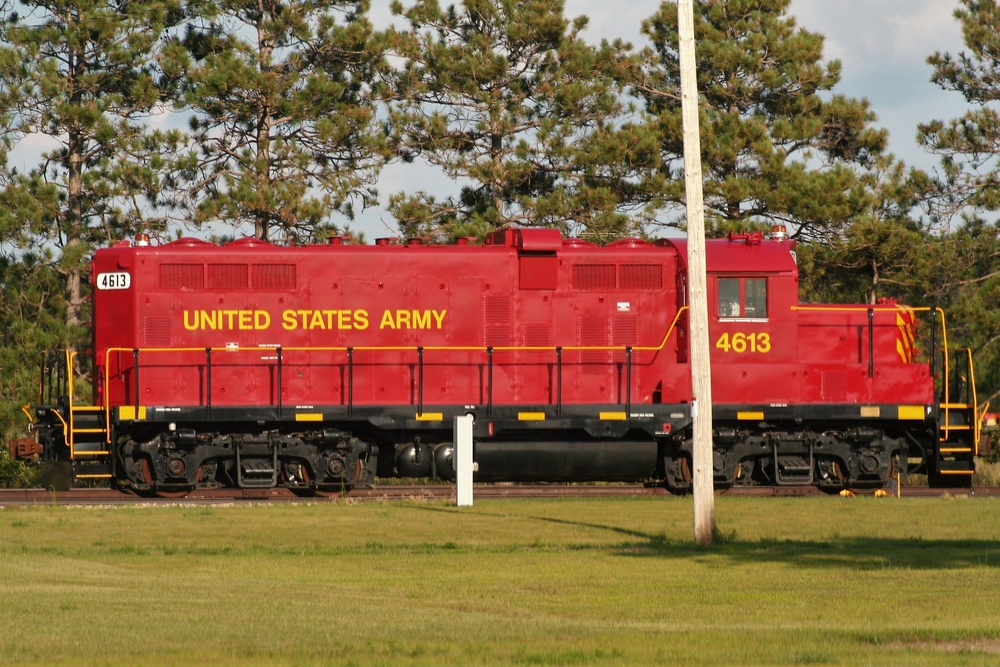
(869, 408)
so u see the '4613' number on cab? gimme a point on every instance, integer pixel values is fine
(744, 342)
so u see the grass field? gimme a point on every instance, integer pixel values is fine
(805, 581)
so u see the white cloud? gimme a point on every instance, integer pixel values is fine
(885, 33)
(883, 46)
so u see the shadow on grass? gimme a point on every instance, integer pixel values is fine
(856, 552)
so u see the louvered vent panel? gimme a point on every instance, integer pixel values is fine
(834, 385)
(593, 331)
(538, 335)
(228, 276)
(156, 331)
(496, 320)
(274, 276)
(182, 276)
(625, 332)
(594, 276)
(641, 277)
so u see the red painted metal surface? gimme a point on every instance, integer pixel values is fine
(522, 296)
(210, 323)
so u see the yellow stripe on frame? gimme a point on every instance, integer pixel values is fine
(871, 411)
(613, 416)
(309, 417)
(429, 416)
(531, 416)
(127, 412)
(911, 412)
(750, 416)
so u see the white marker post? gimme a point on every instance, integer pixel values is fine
(464, 466)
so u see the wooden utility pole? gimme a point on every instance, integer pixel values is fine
(701, 372)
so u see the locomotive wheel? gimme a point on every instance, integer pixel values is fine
(307, 491)
(147, 476)
(829, 475)
(679, 475)
(343, 488)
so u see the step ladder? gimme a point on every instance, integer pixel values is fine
(84, 427)
(88, 442)
(960, 424)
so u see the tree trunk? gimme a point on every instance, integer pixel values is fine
(262, 222)
(74, 225)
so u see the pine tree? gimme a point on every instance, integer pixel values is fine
(83, 74)
(775, 148)
(32, 319)
(508, 100)
(969, 146)
(883, 251)
(282, 97)
(967, 194)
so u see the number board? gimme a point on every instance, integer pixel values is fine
(119, 280)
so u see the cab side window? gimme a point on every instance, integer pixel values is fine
(742, 298)
(729, 298)
(755, 298)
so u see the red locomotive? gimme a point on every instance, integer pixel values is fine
(317, 368)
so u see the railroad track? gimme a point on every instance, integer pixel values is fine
(22, 497)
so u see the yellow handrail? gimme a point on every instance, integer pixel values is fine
(896, 308)
(69, 439)
(381, 348)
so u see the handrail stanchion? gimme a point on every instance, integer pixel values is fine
(135, 377)
(208, 380)
(934, 346)
(279, 381)
(420, 380)
(350, 381)
(559, 352)
(628, 380)
(489, 380)
(871, 342)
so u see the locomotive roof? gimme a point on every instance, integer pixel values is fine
(739, 253)
(743, 253)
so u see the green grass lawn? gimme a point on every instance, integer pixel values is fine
(855, 581)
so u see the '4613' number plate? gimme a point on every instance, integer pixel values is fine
(120, 280)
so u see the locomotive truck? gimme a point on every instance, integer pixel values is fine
(319, 368)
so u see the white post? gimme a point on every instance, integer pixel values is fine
(463, 460)
(701, 374)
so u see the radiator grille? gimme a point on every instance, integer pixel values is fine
(182, 276)
(274, 276)
(641, 277)
(228, 276)
(594, 276)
